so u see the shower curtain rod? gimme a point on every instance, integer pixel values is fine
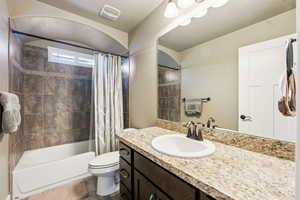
(65, 43)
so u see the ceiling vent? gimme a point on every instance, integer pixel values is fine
(110, 13)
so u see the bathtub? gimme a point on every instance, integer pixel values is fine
(43, 169)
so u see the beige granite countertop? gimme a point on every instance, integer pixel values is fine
(270, 147)
(229, 174)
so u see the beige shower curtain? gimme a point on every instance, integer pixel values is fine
(107, 103)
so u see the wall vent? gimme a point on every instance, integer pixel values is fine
(110, 13)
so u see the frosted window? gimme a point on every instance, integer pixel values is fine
(70, 57)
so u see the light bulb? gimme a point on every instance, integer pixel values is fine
(185, 3)
(200, 13)
(171, 10)
(219, 3)
(185, 22)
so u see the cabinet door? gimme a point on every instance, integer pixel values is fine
(125, 194)
(176, 188)
(144, 190)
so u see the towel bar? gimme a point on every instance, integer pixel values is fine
(202, 99)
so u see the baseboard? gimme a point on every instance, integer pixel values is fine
(8, 197)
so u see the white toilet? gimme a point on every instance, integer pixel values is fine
(106, 168)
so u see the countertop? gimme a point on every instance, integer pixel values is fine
(267, 146)
(229, 174)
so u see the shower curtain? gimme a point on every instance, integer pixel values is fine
(107, 103)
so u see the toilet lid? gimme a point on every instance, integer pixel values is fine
(106, 160)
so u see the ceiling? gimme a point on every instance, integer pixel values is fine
(236, 14)
(132, 11)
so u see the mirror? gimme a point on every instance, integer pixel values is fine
(230, 68)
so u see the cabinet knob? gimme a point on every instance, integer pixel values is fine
(124, 152)
(152, 196)
(124, 173)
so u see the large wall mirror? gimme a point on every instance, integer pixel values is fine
(230, 67)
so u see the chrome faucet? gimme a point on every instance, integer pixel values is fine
(209, 123)
(194, 130)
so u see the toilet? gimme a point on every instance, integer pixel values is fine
(106, 168)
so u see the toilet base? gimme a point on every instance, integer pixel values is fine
(107, 185)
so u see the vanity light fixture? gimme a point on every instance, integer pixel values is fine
(171, 10)
(219, 3)
(200, 13)
(185, 22)
(185, 3)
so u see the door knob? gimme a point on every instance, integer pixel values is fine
(246, 118)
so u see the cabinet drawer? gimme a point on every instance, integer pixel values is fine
(125, 152)
(145, 190)
(167, 182)
(125, 174)
(125, 194)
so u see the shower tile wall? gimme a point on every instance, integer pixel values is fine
(16, 145)
(125, 82)
(169, 97)
(57, 100)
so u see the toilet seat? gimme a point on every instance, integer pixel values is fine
(106, 160)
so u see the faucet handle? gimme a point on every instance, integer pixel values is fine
(188, 124)
(210, 121)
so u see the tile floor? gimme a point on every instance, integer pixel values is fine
(78, 190)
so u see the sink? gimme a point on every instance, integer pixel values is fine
(179, 145)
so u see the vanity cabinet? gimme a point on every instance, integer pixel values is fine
(144, 189)
(142, 179)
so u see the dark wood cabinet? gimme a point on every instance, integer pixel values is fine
(125, 194)
(203, 196)
(142, 179)
(126, 174)
(167, 182)
(125, 152)
(145, 190)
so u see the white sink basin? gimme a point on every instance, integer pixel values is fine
(180, 146)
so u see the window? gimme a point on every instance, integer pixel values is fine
(70, 57)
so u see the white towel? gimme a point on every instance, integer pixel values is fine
(193, 106)
(11, 117)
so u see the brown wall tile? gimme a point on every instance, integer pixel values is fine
(57, 108)
(169, 95)
(33, 104)
(33, 84)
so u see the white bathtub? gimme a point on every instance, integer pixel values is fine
(42, 169)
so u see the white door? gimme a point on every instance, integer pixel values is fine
(260, 69)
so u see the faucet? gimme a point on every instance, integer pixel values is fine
(194, 130)
(209, 123)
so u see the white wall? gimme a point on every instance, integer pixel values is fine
(211, 69)
(34, 8)
(143, 88)
(143, 52)
(173, 54)
(4, 185)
